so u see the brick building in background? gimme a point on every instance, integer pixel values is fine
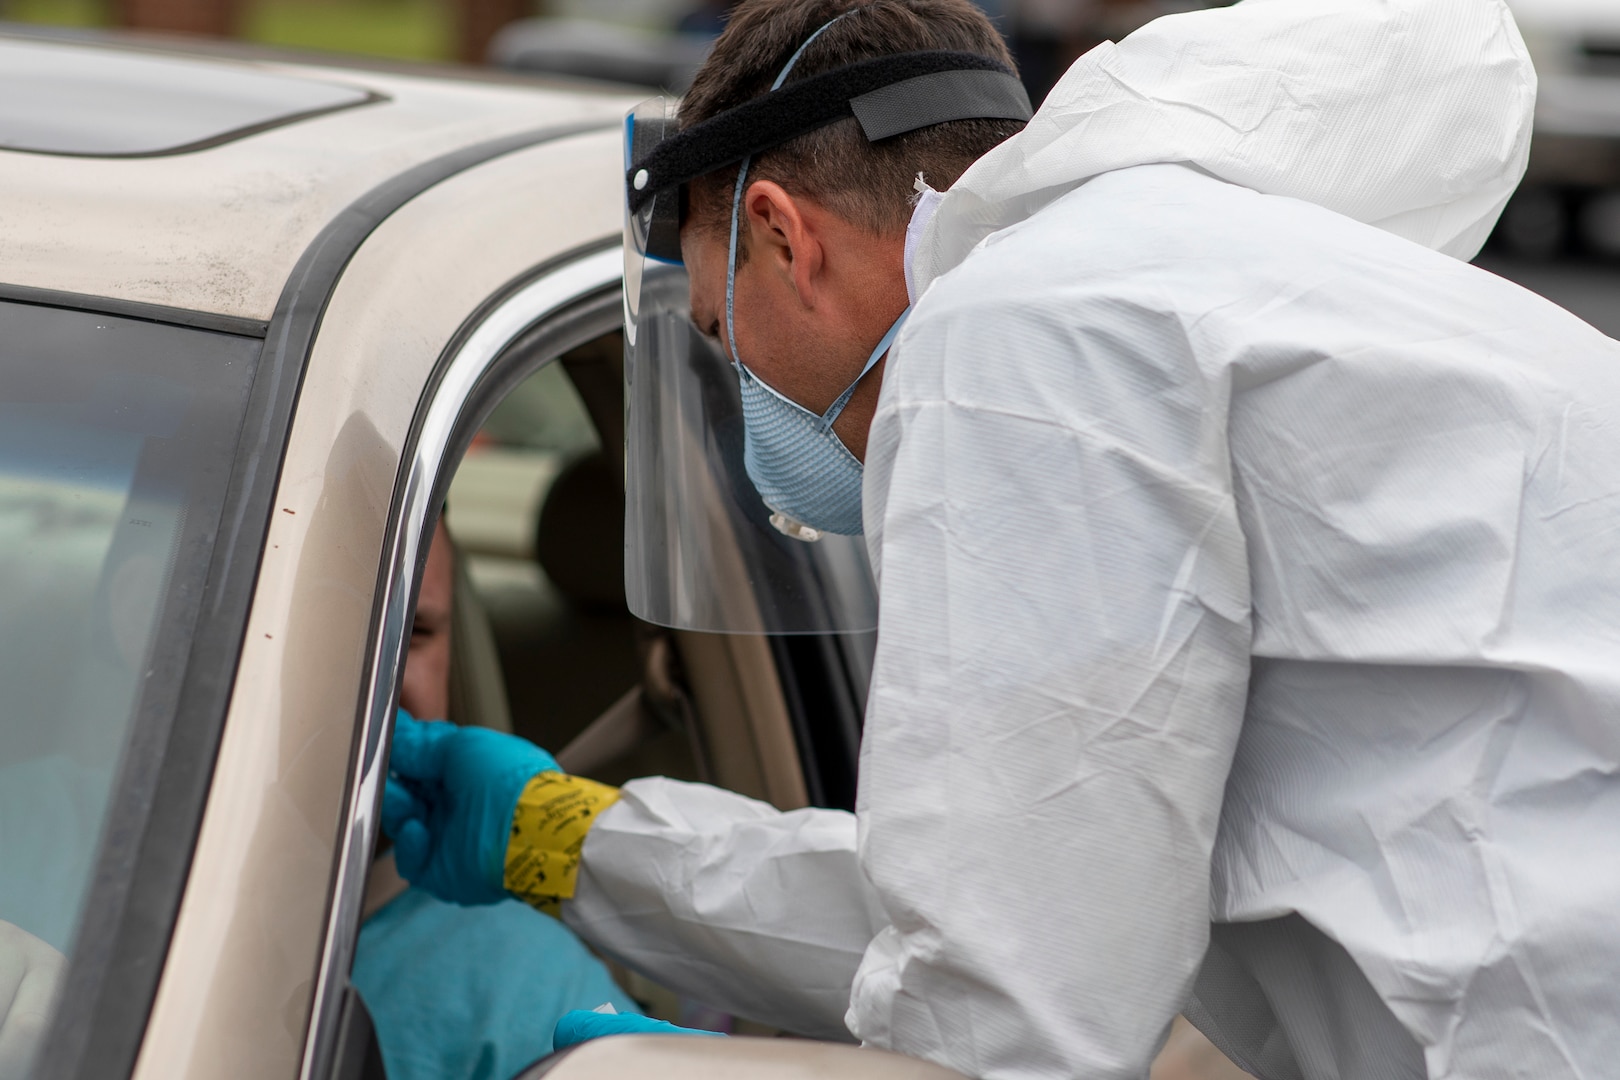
(212, 18)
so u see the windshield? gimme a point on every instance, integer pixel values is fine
(116, 438)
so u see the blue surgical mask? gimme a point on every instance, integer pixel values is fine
(797, 462)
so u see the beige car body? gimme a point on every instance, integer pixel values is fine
(425, 306)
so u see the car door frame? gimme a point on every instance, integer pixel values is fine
(566, 301)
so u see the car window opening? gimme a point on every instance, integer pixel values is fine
(536, 514)
(542, 642)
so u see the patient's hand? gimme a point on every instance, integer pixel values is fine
(30, 975)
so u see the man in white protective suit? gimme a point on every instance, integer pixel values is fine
(1248, 563)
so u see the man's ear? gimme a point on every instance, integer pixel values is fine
(783, 230)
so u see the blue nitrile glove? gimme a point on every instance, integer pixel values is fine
(583, 1025)
(448, 805)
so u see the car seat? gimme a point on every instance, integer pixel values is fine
(477, 685)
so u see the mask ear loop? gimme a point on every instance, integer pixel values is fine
(731, 265)
(736, 201)
(830, 417)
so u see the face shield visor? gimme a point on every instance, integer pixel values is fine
(703, 550)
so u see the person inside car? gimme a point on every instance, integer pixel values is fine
(458, 993)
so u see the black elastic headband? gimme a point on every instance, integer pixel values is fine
(888, 96)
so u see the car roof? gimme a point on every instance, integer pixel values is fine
(211, 212)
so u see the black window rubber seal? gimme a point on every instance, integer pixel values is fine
(135, 309)
(126, 927)
(826, 707)
(368, 97)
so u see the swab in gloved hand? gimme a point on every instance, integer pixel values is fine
(477, 815)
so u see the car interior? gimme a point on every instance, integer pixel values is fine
(544, 645)
(537, 511)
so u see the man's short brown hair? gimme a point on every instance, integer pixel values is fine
(869, 184)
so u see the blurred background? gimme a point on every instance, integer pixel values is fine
(1559, 236)
(1561, 233)
(658, 42)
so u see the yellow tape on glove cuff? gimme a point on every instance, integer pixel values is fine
(553, 815)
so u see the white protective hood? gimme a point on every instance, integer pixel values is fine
(1411, 115)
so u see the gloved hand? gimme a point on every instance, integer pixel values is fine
(582, 1025)
(448, 805)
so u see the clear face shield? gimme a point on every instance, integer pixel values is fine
(701, 550)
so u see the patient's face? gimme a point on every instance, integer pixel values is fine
(425, 690)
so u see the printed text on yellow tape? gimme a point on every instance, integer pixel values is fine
(553, 815)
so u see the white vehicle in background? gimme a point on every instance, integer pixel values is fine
(1571, 194)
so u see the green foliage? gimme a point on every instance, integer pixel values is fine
(57, 12)
(404, 29)
(401, 29)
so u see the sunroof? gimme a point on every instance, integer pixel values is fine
(66, 99)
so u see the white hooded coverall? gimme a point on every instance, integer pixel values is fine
(1250, 602)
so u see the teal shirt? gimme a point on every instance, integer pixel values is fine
(472, 993)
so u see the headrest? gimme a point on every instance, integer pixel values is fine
(579, 539)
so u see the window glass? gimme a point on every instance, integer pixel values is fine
(537, 511)
(544, 413)
(496, 497)
(67, 99)
(116, 439)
